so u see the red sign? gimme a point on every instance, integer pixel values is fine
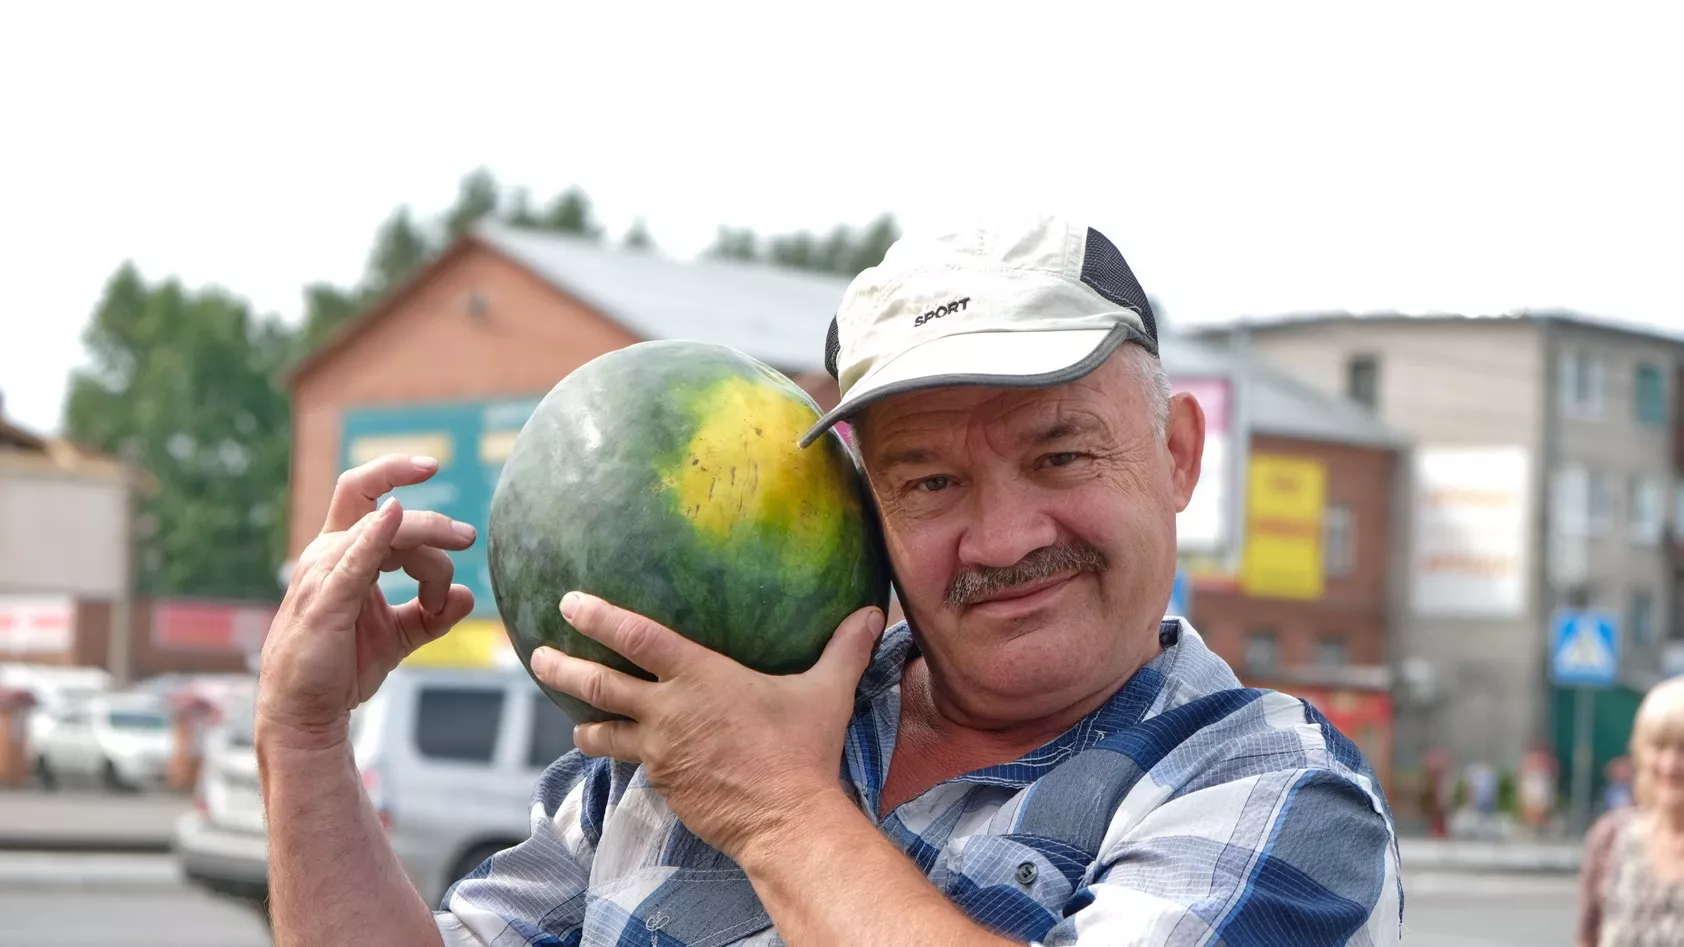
(210, 626)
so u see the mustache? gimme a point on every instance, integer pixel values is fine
(973, 585)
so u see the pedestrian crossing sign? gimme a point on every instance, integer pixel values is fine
(1584, 650)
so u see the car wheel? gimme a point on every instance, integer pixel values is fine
(110, 780)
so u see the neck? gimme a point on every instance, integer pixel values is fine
(974, 726)
(1670, 821)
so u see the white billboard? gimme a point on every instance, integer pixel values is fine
(36, 624)
(1206, 525)
(1470, 511)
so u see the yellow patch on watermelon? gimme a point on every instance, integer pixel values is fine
(743, 468)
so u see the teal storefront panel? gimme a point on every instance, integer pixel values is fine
(470, 439)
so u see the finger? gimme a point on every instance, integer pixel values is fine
(615, 739)
(602, 687)
(848, 653)
(361, 487)
(419, 626)
(370, 542)
(429, 528)
(428, 566)
(642, 641)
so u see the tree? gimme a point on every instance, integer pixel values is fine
(476, 199)
(841, 251)
(871, 248)
(400, 249)
(182, 384)
(570, 212)
(734, 244)
(638, 238)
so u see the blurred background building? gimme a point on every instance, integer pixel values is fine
(1546, 476)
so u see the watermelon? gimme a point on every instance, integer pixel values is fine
(665, 477)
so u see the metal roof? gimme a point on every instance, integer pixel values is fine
(780, 316)
(775, 314)
(1279, 404)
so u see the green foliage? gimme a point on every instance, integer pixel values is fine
(182, 384)
(842, 251)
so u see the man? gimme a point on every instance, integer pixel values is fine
(1037, 758)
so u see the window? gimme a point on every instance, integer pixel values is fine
(1582, 383)
(1599, 512)
(1362, 380)
(1332, 651)
(458, 723)
(552, 733)
(1583, 502)
(1262, 649)
(1647, 501)
(1649, 394)
(1640, 617)
(1339, 541)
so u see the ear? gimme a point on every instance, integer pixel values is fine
(1184, 440)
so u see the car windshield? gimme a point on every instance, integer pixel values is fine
(138, 720)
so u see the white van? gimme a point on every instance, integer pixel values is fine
(449, 757)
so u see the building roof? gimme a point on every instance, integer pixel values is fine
(775, 314)
(1518, 317)
(1277, 403)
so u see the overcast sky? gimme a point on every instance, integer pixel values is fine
(1451, 157)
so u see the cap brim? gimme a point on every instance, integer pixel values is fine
(1018, 359)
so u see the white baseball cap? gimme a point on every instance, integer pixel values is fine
(1014, 302)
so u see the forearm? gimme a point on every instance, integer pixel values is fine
(836, 880)
(333, 877)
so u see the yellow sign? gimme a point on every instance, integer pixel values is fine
(476, 643)
(1285, 497)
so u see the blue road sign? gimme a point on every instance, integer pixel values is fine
(1584, 650)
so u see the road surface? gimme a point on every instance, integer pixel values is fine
(72, 900)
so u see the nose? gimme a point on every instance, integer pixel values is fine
(1006, 523)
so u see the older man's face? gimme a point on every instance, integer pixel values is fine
(1033, 531)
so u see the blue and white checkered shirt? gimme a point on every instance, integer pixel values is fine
(1186, 810)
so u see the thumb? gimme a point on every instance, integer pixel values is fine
(848, 654)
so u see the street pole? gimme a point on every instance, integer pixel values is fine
(1584, 720)
(119, 636)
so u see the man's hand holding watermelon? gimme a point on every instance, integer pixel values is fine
(741, 757)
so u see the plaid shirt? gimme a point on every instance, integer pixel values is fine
(1186, 810)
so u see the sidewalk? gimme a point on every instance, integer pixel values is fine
(1468, 855)
(74, 821)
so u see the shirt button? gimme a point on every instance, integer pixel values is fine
(1026, 873)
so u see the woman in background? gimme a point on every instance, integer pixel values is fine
(1633, 873)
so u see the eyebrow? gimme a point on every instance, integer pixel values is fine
(1059, 430)
(905, 457)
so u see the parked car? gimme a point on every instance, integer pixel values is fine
(55, 688)
(119, 741)
(448, 756)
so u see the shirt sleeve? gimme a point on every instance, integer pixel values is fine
(1300, 857)
(533, 895)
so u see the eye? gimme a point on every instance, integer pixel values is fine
(933, 484)
(1061, 458)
